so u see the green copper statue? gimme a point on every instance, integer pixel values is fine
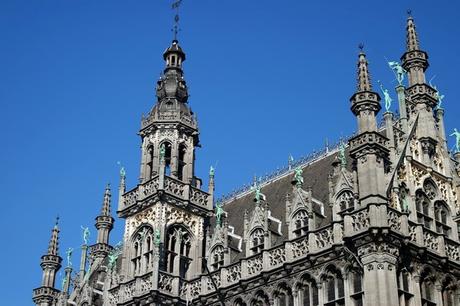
(342, 157)
(439, 97)
(212, 171)
(398, 70)
(219, 212)
(457, 140)
(114, 253)
(298, 176)
(122, 170)
(69, 257)
(386, 96)
(157, 239)
(86, 234)
(162, 152)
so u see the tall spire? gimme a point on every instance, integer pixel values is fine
(414, 60)
(411, 39)
(364, 98)
(104, 224)
(53, 247)
(364, 79)
(50, 264)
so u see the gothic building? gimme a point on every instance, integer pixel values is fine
(372, 222)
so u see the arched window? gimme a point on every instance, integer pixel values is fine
(178, 246)
(345, 202)
(448, 292)
(217, 257)
(257, 241)
(181, 165)
(149, 163)
(261, 299)
(422, 204)
(308, 292)
(239, 302)
(356, 288)
(405, 296)
(283, 297)
(427, 289)
(300, 220)
(441, 215)
(142, 250)
(168, 149)
(334, 288)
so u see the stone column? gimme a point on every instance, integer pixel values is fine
(402, 108)
(84, 248)
(379, 280)
(388, 117)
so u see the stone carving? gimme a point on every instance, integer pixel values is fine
(360, 220)
(453, 251)
(146, 216)
(165, 282)
(217, 281)
(324, 238)
(198, 197)
(174, 187)
(255, 264)
(393, 220)
(234, 273)
(300, 247)
(375, 247)
(417, 175)
(277, 256)
(150, 187)
(413, 233)
(145, 284)
(130, 198)
(174, 215)
(430, 240)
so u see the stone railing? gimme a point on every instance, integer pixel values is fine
(199, 197)
(168, 283)
(356, 221)
(300, 247)
(171, 186)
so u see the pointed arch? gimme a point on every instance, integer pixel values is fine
(179, 242)
(307, 291)
(427, 285)
(256, 240)
(333, 284)
(181, 167)
(345, 201)
(283, 295)
(217, 257)
(299, 223)
(168, 153)
(442, 216)
(142, 250)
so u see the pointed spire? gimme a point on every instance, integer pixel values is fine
(411, 39)
(106, 203)
(364, 79)
(53, 247)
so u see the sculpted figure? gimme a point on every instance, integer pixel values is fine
(398, 70)
(86, 234)
(457, 140)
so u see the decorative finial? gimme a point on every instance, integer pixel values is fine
(361, 47)
(175, 6)
(398, 70)
(386, 95)
(122, 171)
(57, 221)
(69, 257)
(219, 212)
(456, 134)
(86, 234)
(409, 13)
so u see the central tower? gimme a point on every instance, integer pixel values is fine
(167, 212)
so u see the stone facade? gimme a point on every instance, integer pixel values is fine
(375, 223)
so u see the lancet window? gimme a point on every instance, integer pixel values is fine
(217, 257)
(149, 163)
(356, 288)
(284, 297)
(405, 296)
(167, 157)
(441, 215)
(449, 293)
(427, 290)
(308, 293)
(334, 288)
(142, 255)
(181, 165)
(257, 241)
(178, 246)
(300, 220)
(422, 204)
(346, 201)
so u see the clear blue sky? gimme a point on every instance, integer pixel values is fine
(267, 78)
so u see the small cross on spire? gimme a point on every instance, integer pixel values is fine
(175, 6)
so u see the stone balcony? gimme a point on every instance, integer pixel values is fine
(170, 186)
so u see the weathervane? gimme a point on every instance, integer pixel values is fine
(175, 6)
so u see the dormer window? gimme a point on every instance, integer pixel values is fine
(300, 223)
(257, 241)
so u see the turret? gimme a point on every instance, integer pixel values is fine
(104, 224)
(46, 295)
(368, 148)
